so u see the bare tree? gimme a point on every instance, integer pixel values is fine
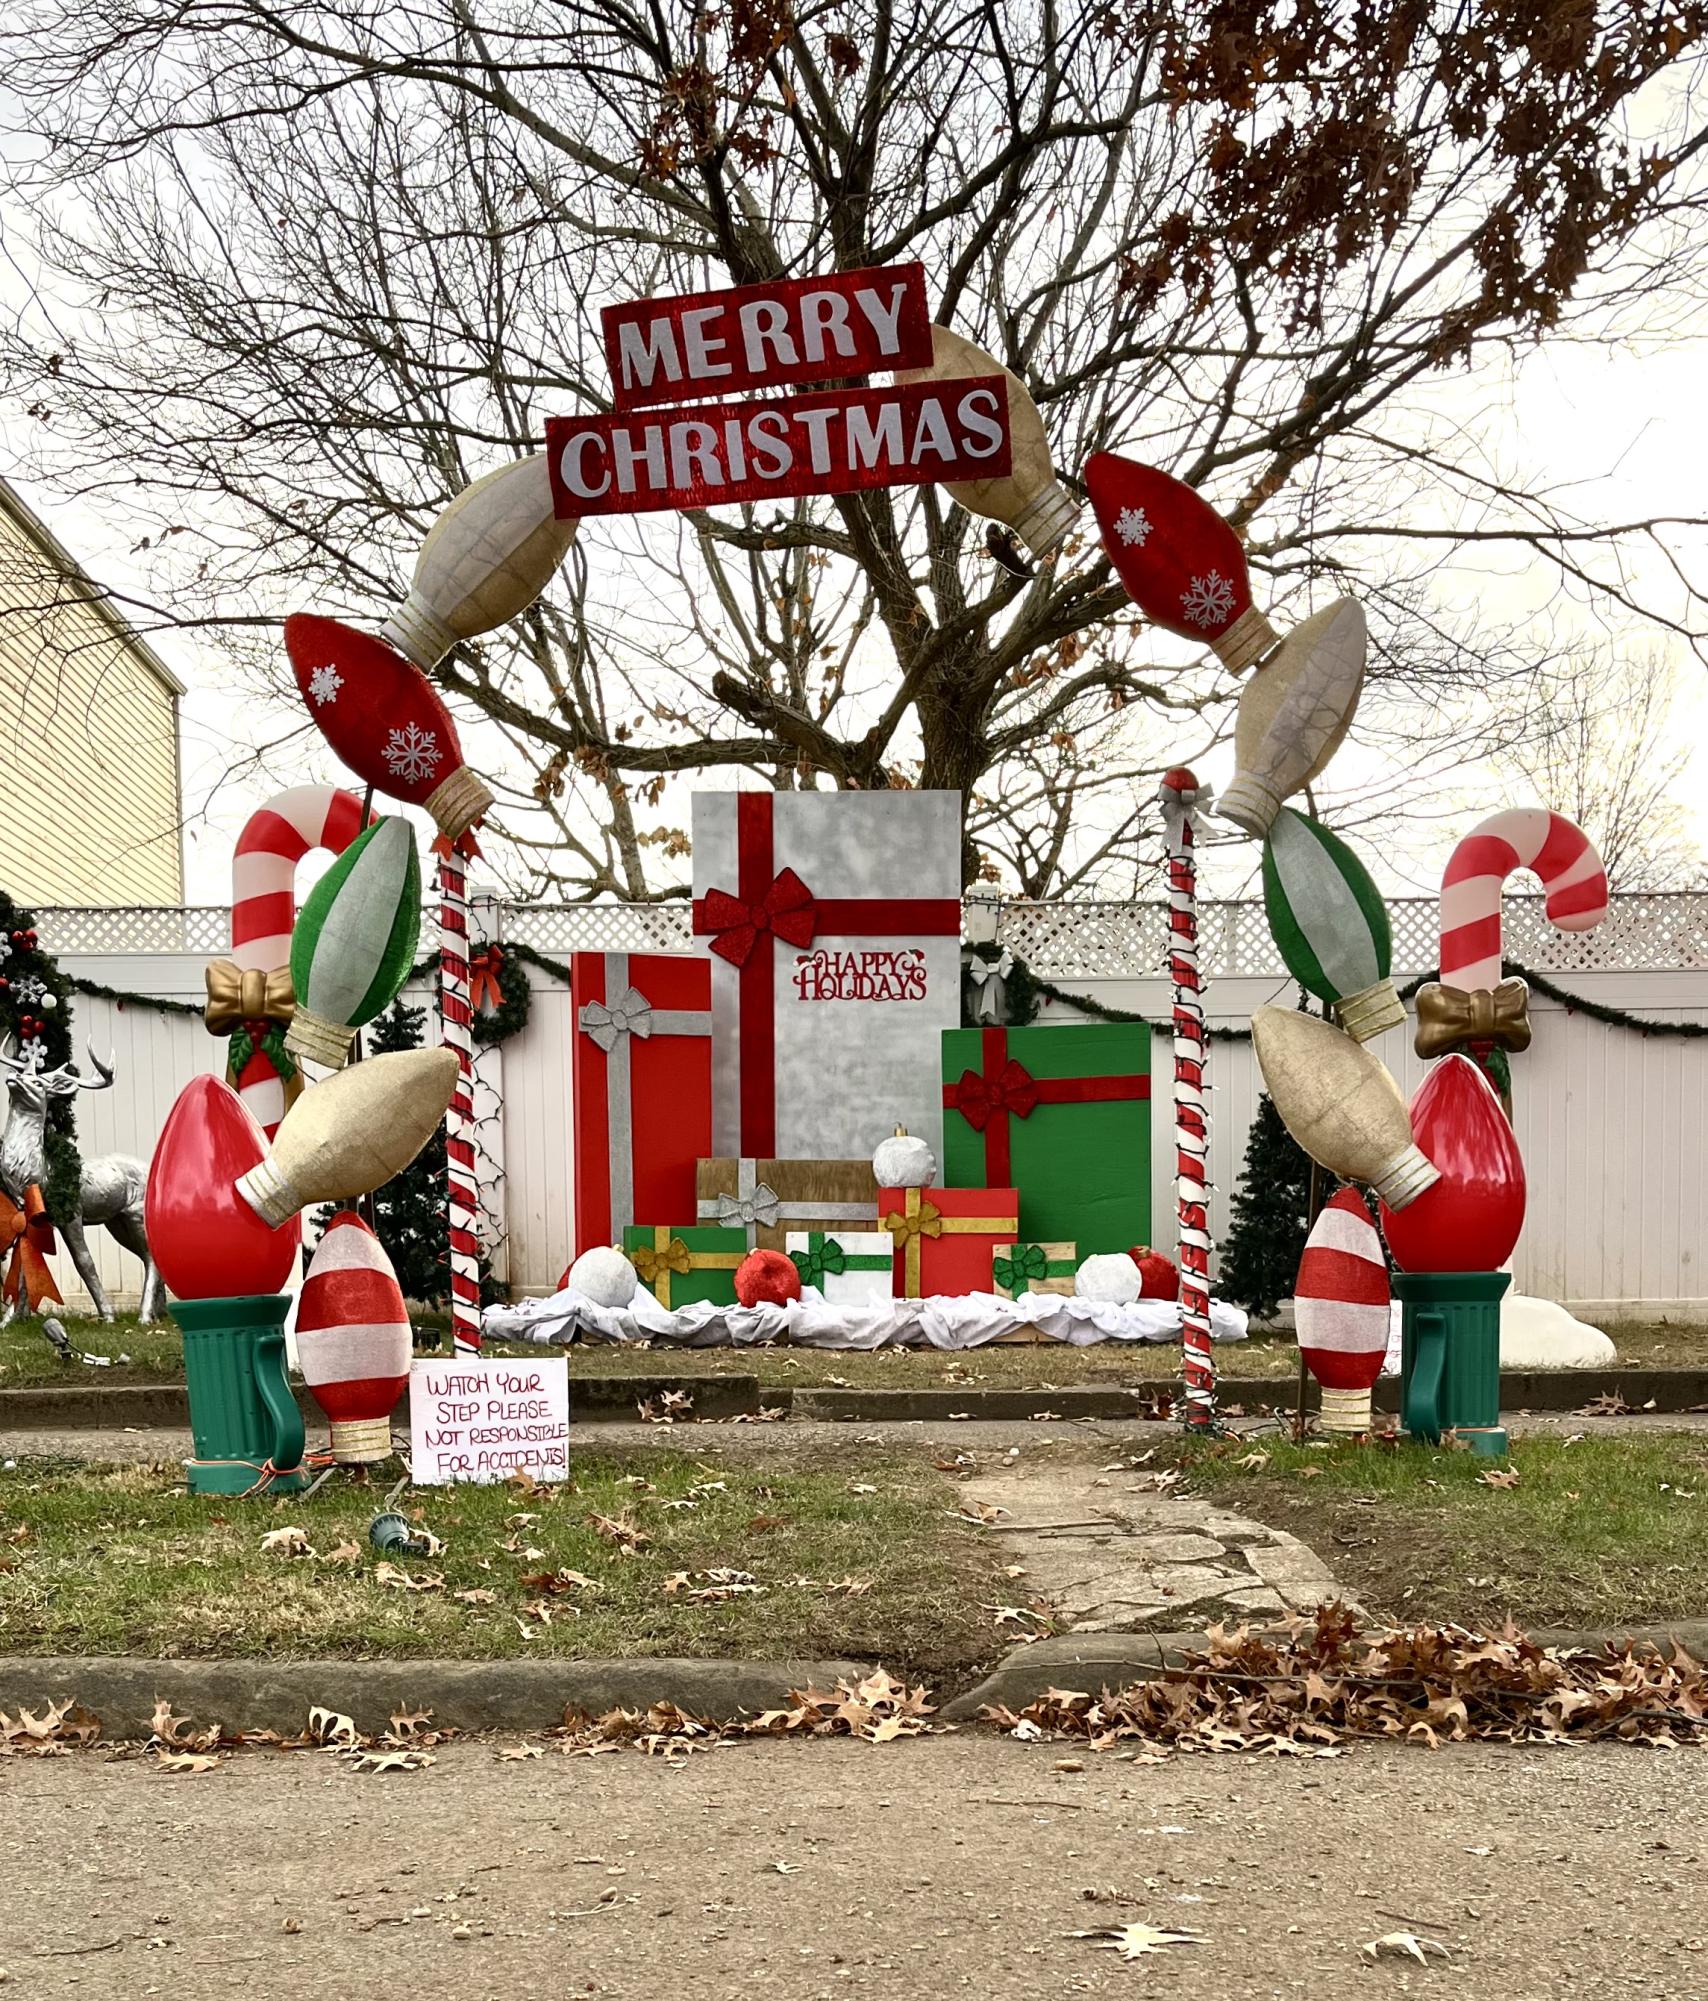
(1604, 746)
(312, 268)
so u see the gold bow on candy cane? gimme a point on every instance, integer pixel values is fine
(237, 994)
(1449, 1018)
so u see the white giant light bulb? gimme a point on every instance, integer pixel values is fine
(485, 559)
(1030, 499)
(1294, 712)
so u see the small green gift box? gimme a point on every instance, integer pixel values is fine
(683, 1267)
(1018, 1268)
(847, 1266)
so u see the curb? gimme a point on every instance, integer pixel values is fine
(1094, 1661)
(464, 1695)
(166, 1406)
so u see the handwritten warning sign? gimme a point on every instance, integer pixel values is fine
(484, 1421)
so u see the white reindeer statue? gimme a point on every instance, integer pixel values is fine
(112, 1185)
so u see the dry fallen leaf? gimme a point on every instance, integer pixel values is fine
(394, 1761)
(185, 1761)
(327, 1726)
(624, 1534)
(982, 1514)
(1403, 1945)
(475, 1597)
(345, 1552)
(521, 1751)
(1499, 1476)
(1253, 1461)
(285, 1542)
(1135, 1940)
(391, 1578)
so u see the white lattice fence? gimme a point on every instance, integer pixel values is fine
(1057, 940)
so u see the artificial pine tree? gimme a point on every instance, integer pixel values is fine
(1270, 1218)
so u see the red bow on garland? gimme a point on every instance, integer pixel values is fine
(483, 978)
(29, 1235)
(1013, 1089)
(787, 910)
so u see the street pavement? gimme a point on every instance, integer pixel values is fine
(919, 1870)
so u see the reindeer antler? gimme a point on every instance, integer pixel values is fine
(105, 1070)
(11, 1062)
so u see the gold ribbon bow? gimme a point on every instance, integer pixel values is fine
(1449, 1018)
(237, 994)
(923, 1219)
(654, 1265)
(28, 1234)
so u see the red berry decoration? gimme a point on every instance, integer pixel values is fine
(1159, 1277)
(767, 1278)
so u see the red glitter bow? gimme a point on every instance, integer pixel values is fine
(786, 910)
(1013, 1089)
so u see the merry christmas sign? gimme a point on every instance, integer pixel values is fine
(683, 351)
(833, 922)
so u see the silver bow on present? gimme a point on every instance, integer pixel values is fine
(989, 976)
(629, 1014)
(763, 1208)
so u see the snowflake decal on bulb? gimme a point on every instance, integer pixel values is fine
(1209, 600)
(324, 683)
(412, 753)
(1133, 526)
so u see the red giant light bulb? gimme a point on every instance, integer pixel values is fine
(1181, 563)
(1469, 1220)
(207, 1241)
(384, 718)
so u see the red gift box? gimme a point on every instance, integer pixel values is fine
(945, 1238)
(642, 1078)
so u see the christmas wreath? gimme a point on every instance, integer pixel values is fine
(497, 975)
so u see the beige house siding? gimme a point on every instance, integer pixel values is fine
(90, 806)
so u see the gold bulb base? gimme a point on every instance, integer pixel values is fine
(1405, 1177)
(1370, 1011)
(1247, 642)
(418, 632)
(269, 1193)
(313, 1039)
(358, 1441)
(1345, 1412)
(456, 804)
(1043, 523)
(1251, 803)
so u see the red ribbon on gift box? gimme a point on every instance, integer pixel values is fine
(769, 904)
(1006, 1089)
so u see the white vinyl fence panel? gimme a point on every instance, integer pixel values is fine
(1612, 1123)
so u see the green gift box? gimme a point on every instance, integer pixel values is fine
(1020, 1268)
(1062, 1114)
(683, 1267)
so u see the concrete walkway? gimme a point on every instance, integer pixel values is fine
(1113, 1551)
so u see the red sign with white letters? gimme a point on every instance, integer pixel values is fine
(828, 441)
(771, 336)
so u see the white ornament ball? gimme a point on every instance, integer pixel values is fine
(48, 1003)
(904, 1162)
(1111, 1278)
(604, 1276)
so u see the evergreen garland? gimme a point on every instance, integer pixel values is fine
(1269, 1218)
(48, 1015)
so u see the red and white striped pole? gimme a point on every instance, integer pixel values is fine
(455, 1018)
(1179, 796)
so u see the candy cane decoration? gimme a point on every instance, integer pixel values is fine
(1527, 837)
(1181, 798)
(263, 904)
(455, 1019)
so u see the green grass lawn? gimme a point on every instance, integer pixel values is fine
(1604, 1530)
(123, 1561)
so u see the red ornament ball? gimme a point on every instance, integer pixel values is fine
(767, 1278)
(1159, 1277)
(1469, 1220)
